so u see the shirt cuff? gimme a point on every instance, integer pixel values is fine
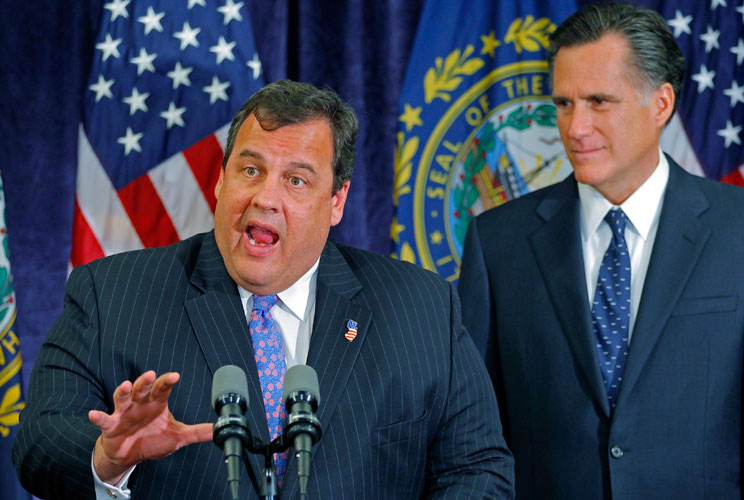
(105, 491)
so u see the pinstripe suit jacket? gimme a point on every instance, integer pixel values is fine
(407, 409)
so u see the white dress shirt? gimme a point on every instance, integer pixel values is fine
(293, 314)
(643, 209)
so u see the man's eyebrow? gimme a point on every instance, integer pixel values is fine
(249, 153)
(588, 97)
(600, 95)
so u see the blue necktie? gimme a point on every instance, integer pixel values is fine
(268, 351)
(611, 306)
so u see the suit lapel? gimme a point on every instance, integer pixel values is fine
(557, 249)
(221, 329)
(679, 241)
(331, 354)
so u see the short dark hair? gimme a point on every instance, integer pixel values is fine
(285, 102)
(654, 53)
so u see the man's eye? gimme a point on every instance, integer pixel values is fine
(250, 171)
(599, 100)
(296, 181)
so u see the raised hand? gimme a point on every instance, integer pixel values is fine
(141, 427)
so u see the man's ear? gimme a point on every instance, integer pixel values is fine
(338, 201)
(220, 180)
(663, 100)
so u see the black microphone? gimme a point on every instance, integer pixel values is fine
(302, 427)
(230, 401)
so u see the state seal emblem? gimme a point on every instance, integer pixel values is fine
(482, 135)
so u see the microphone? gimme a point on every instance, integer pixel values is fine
(302, 427)
(230, 401)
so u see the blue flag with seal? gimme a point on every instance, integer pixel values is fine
(477, 125)
(11, 400)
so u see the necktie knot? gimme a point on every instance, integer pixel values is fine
(264, 302)
(617, 221)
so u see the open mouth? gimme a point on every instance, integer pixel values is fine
(262, 237)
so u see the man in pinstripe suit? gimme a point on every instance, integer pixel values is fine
(406, 410)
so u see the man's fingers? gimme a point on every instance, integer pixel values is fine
(142, 386)
(123, 395)
(99, 419)
(162, 387)
(198, 433)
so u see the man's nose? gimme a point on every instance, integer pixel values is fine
(267, 193)
(579, 123)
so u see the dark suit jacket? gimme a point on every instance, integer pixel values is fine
(677, 428)
(406, 408)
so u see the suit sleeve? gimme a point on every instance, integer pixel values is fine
(468, 457)
(52, 450)
(474, 289)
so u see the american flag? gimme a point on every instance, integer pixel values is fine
(705, 136)
(166, 78)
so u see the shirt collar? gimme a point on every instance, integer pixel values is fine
(641, 207)
(297, 297)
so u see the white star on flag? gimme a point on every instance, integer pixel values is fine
(710, 37)
(717, 3)
(187, 35)
(730, 133)
(136, 101)
(740, 10)
(173, 116)
(180, 75)
(231, 10)
(223, 50)
(151, 20)
(680, 23)
(109, 47)
(130, 141)
(144, 61)
(102, 88)
(217, 90)
(197, 2)
(117, 8)
(255, 65)
(739, 51)
(704, 78)
(735, 93)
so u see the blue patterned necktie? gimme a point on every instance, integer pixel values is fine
(611, 306)
(268, 351)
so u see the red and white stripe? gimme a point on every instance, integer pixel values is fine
(172, 201)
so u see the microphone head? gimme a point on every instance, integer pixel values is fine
(301, 378)
(229, 379)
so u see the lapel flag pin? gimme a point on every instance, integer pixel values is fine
(352, 330)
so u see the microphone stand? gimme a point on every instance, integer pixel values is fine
(301, 425)
(236, 426)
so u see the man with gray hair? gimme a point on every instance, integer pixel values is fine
(123, 379)
(608, 307)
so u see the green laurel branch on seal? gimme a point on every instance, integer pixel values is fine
(466, 194)
(524, 116)
(444, 77)
(529, 34)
